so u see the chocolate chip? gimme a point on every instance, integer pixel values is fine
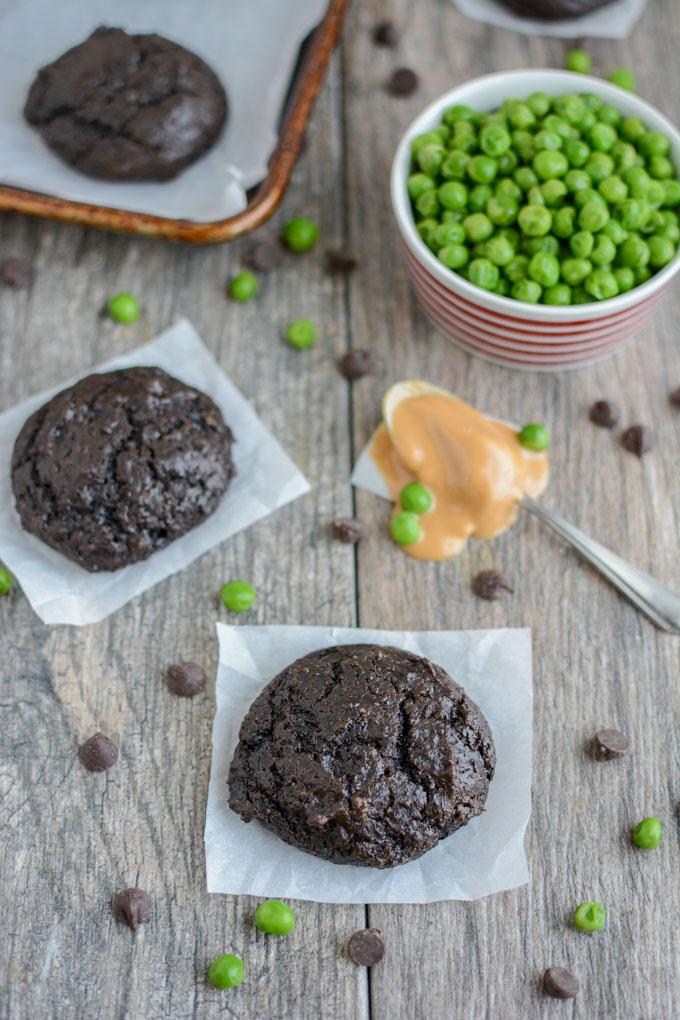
(637, 439)
(347, 529)
(339, 261)
(674, 397)
(16, 273)
(385, 34)
(186, 679)
(604, 413)
(132, 906)
(98, 753)
(610, 744)
(264, 255)
(560, 983)
(357, 363)
(490, 585)
(402, 83)
(366, 947)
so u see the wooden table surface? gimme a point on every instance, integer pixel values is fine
(71, 838)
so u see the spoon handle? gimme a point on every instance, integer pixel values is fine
(658, 602)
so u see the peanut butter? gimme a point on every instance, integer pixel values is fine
(474, 466)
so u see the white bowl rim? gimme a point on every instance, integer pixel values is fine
(533, 80)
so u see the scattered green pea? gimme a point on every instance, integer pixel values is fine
(624, 78)
(6, 581)
(238, 596)
(578, 61)
(415, 498)
(274, 918)
(123, 308)
(534, 437)
(300, 234)
(243, 287)
(590, 916)
(226, 971)
(301, 334)
(405, 527)
(648, 833)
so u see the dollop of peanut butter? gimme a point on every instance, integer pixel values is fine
(474, 466)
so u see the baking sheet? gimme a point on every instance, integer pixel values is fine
(486, 856)
(252, 47)
(615, 21)
(62, 592)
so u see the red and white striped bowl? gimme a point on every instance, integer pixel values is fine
(500, 329)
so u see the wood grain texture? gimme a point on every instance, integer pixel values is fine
(70, 839)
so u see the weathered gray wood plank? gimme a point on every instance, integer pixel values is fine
(70, 838)
(597, 662)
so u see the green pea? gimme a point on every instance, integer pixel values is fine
(479, 197)
(604, 252)
(527, 290)
(482, 169)
(653, 143)
(534, 220)
(577, 180)
(550, 163)
(243, 287)
(575, 271)
(625, 278)
(544, 269)
(553, 192)
(405, 528)
(591, 916)
(416, 498)
(579, 296)
(581, 244)
(563, 222)
(624, 155)
(613, 189)
(576, 151)
(226, 971)
(478, 227)
(661, 251)
(547, 140)
(593, 216)
(459, 112)
(442, 133)
(535, 196)
(642, 274)
(661, 167)
(599, 167)
(539, 103)
(534, 437)
(502, 287)
(624, 78)
(523, 144)
(548, 244)
(557, 125)
(588, 120)
(502, 210)
(426, 228)
(656, 192)
(671, 193)
(123, 308)
(499, 251)
(516, 269)
(427, 204)
(430, 159)
(506, 186)
(601, 284)
(638, 181)
(454, 166)
(520, 115)
(454, 256)
(6, 581)
(420, 141)
(448, 233)
(274, 918)
(453, 195)
(632, 129)
(510, 234)
(483, 273)
(301, 334)
(654, 223)
(578, 61)
(525, 178)
(560, 294)
(571, 108)
(494, 140)
(615, 232)
(238, 596)
(602, 137)
(507, 162)
(631, 213)
(648, 833)
(464, 141)
(633, 252)
(592, 101)
(300, 234)
(417, 184)
(609, 115)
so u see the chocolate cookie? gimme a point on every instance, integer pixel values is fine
(554, 10)
(127, 107)
(119, 465)
(362, 755)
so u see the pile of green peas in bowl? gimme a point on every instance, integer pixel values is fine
(558, 200)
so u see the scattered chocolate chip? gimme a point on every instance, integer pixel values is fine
(610, 744)
(16, 273)
(133, 907)
(366, 947)
(186, 679)
(402, 83)
(339, 261)
(560, 983)
(264, 255)
(637, 439)
(674, 397)
(385, 34)
(357, 363)
(347, 529)
(604, 413)
(98, 753)
(490, 585)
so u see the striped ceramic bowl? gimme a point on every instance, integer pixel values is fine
(514, 333)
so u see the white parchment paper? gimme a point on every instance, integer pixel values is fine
(62, 592)
(252, 47)
(484, 857)
(614, 21)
